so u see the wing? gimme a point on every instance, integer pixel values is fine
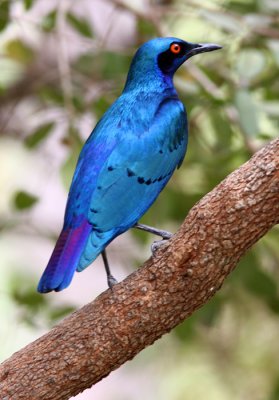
(122, 168)
(137, 169)
(93, 156)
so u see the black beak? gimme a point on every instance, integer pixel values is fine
(198, 48)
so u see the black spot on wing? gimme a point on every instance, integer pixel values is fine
(110, 168)
(130, 172)
(96, 227)
(149, 181)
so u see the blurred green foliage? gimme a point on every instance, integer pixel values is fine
(233, 108)
(23, 200)
(38, 135)
(80, 24)
(33, 309)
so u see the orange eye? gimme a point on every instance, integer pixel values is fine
(175, 48)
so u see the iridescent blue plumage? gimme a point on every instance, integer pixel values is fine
(126, 162)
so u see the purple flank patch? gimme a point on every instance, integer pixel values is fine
(65, 257)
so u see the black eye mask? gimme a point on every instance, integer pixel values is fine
(166, 59)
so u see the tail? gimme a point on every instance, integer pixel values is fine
(65, 258)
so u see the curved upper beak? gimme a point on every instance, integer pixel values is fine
(198, 48)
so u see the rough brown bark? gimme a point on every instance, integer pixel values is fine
(185, 274)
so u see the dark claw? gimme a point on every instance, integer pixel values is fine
(111, 281)
(156, 245)
(167, 235)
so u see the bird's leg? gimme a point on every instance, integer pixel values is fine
(110, 278)
(165, 235)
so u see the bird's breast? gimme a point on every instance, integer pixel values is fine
(136, 112)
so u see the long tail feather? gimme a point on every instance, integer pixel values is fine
(65, 258)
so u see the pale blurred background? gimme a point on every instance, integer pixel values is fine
(62, 64)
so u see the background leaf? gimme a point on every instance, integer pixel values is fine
(24, 200)
(248, 112)
(4, 13)
(81, 25)
(40, 134)
(28, 4)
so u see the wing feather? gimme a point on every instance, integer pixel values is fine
(138, 169)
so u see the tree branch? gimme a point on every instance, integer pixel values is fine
(184, 275)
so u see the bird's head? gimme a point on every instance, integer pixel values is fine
(171, 53)
(163, 56)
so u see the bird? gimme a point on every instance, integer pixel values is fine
(125, 163)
